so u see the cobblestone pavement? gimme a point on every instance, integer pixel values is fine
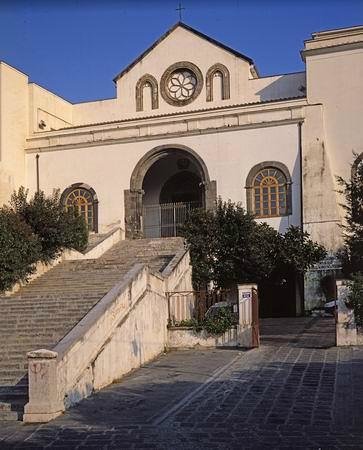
(296, 391)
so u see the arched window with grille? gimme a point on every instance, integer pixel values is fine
(82, 199)
(269, 190)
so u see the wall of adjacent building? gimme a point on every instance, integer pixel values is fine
(333, 127)
(48, 111)
(22, 108)
(277, 86)
(13, 129)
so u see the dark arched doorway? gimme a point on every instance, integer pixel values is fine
(165, 185)
(181, 193)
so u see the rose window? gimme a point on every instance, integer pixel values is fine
(181, 85)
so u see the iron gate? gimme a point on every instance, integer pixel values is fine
(186, 305)
(166, 219)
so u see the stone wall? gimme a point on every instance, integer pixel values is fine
(125, 329)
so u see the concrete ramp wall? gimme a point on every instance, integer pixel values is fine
(126, 328)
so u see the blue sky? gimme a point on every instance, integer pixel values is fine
(75, 48)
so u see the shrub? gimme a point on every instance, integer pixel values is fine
(20, 249)
(355, 297)
(352, 254)
(220, 323)
(228, 246)
(56, 228)
(297, 252)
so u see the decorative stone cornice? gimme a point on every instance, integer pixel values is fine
(219, 120)
(341, 47)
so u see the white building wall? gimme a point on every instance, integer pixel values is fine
(13, 129)
(49, 108)
(277, 86)
(342, 97)
(229, 156)
(177, 47)
(333, 128)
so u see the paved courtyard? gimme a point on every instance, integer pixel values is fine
(296, 391)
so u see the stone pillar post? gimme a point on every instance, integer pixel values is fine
(342, 289)
(245, 319)
(133, 213)
(346, 329)
(44, 402)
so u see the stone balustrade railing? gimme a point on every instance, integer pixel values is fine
(125, 329)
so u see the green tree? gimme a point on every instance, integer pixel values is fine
(297, 252)
(228, 246)
(20, 249)
(352, 253)
(55, 227)
(355, 296)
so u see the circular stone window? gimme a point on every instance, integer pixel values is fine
(181, 83)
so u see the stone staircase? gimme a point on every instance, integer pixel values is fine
(44, 311)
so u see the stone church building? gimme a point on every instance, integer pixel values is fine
(192, 120)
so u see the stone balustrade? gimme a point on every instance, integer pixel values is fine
(125, 329)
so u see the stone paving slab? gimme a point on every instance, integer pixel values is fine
(287, 394)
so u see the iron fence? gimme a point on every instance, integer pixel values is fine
(187, 305)
(166, 219)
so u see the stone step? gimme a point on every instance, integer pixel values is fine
(43, 311)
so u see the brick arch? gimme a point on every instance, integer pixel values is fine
(134, 195)
(142, 82)
(222, 69)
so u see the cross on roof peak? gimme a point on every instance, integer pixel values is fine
(180, 9)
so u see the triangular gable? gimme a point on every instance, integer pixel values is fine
(192, 30)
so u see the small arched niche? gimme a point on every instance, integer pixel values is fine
(218, 73)
(147, 85)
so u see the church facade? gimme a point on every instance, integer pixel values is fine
(188, 126)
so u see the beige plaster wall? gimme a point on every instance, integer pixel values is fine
(252, 90)
(13, 129)
(97, 111)
(322, 216)
(341, 96)
(45, 106)
(332, 130)
(229, 156)
(277, 86)
(176, 47)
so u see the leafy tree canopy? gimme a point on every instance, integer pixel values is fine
(55, 227)
(228, 246)
(20, 249)
(352, 254)
(35, 230)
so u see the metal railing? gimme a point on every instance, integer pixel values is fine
(186, 305)
(166, 219)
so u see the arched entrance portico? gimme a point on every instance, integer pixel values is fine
(164, 184)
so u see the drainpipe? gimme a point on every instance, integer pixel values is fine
(299, 127)
(37, 166)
